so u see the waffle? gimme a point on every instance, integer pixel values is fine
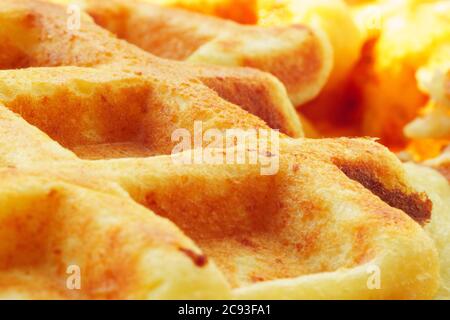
(437, 188)
(141, 226)
(255, 91)
(299, 56)
(242, 11)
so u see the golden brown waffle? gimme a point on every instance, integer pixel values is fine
(336, 210)
(297, 55)
(34, 41)
(438, 189)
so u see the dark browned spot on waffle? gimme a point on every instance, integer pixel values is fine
(200, 260)
(256, 278)
(416, 205)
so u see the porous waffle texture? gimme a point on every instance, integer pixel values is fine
(140, 225)
(300, 56)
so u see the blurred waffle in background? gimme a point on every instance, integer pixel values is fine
(407, 38)
(383, 52)
(242, 11)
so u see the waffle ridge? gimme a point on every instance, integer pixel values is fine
(86, 181)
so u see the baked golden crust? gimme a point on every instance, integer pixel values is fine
(35, 34)
(315, 232)
(123, 251)
(438, 189)
(335, 210)
(297, 55)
